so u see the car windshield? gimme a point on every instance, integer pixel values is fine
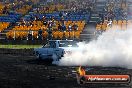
(68, 44)
(50, 45)
(46, 46)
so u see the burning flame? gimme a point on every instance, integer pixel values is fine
(81, 71)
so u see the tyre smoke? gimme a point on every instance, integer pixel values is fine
(113, 49)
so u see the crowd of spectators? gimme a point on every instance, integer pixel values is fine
(115, 14)
(47, 18)
(116, 10)
(39, 28)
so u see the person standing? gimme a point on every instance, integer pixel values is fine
(40, 34)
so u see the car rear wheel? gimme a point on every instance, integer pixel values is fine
(55, 57)
(48, 61)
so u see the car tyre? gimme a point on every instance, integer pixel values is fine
(38, 56)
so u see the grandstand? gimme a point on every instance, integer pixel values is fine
(31, 20)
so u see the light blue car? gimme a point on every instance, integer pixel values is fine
(54, 50)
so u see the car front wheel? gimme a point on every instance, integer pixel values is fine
(38, 55)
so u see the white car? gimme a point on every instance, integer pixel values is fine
(54, 50)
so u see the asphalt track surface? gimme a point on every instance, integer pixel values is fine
(27, 72)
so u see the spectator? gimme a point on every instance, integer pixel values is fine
(75, 27)
(47, 8)
(50, 24)
(63, 27)
(36, 18)
(62, 20)
(59, 27)
(5, 10)
(40, 34)
(60, 14)
(109, 23)
(44, 20)
(49, 33)
(30, 35)
(56, 9)
(101, 17)
(70, 27)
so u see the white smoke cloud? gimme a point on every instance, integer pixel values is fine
(112, 48)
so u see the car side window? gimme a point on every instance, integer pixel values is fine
(52, 44)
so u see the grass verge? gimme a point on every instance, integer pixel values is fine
(20, 46)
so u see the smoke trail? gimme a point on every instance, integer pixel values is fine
(112, 48)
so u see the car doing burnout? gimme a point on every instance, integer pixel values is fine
(55, 49)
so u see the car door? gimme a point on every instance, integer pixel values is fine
(50, 51)
(58, 51)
